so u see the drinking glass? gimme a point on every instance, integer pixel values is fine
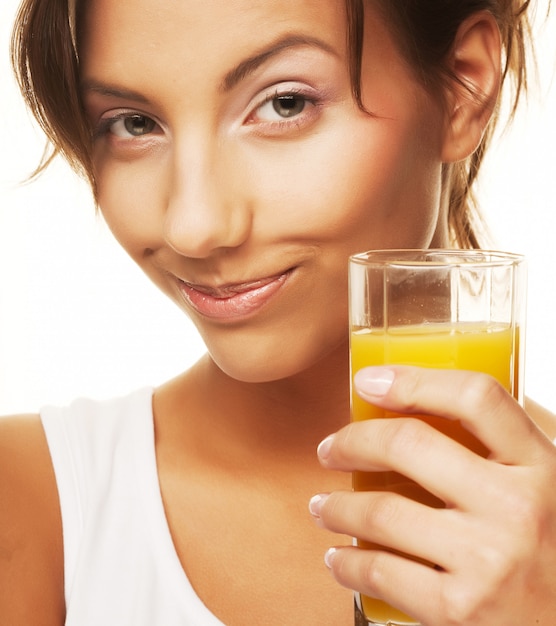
(453, 309)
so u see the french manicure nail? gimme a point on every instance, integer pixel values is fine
(374, 381)
(323, 449)
(329, 557)
(315, 504)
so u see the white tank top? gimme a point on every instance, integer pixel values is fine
(121, 568)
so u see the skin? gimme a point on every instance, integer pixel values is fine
(203, 181)
(483, 542)
(217, 196)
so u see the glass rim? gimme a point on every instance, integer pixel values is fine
(436, 257)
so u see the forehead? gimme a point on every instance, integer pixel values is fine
(199, 35)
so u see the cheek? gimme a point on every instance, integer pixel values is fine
(128, 195)
(374, 181)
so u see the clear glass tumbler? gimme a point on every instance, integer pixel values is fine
(455, 309)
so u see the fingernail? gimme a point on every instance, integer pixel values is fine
(374, 381)
(323, 449)
(329, 557)
(315, 504)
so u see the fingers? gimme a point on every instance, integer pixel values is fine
(380, 574)
(476, 400)
(470, 407)
(414, 449)
(485, 558)
(394, 522)
(486, 564)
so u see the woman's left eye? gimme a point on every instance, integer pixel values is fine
(282, 107)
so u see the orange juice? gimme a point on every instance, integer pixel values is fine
(488, 348)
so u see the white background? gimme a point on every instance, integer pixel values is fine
(78, 318)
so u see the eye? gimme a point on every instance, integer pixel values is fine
(134, 125)
(126, 126)
(281, 107)
(286, 106)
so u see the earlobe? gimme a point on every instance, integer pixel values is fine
(475, 63)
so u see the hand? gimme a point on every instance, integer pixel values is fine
(494, 543)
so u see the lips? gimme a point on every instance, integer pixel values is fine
(232, 301)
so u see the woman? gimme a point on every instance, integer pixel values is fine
(240, 152)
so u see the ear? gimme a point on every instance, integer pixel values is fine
(475, 63)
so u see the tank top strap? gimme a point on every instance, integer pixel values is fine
(93, 446)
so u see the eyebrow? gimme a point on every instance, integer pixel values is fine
(112, 92)
(249, 65)
(231, 79)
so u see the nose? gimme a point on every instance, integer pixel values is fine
(207, 209)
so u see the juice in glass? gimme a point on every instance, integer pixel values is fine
(491, 348)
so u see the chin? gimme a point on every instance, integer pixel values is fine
(282, 362)
(254, 371)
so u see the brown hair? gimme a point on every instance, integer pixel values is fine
(47, 72)
(46, 66)
(425, 31)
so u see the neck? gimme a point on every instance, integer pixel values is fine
(309, 405)
(275, 422)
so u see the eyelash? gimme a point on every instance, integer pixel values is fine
(105, 125)
(297, 120)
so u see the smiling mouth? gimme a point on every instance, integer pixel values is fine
(232, 301)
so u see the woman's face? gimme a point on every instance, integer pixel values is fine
(235, 168)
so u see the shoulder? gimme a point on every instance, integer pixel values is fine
(31, 547)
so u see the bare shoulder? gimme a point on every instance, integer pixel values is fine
(542, 417)
(31, 552)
